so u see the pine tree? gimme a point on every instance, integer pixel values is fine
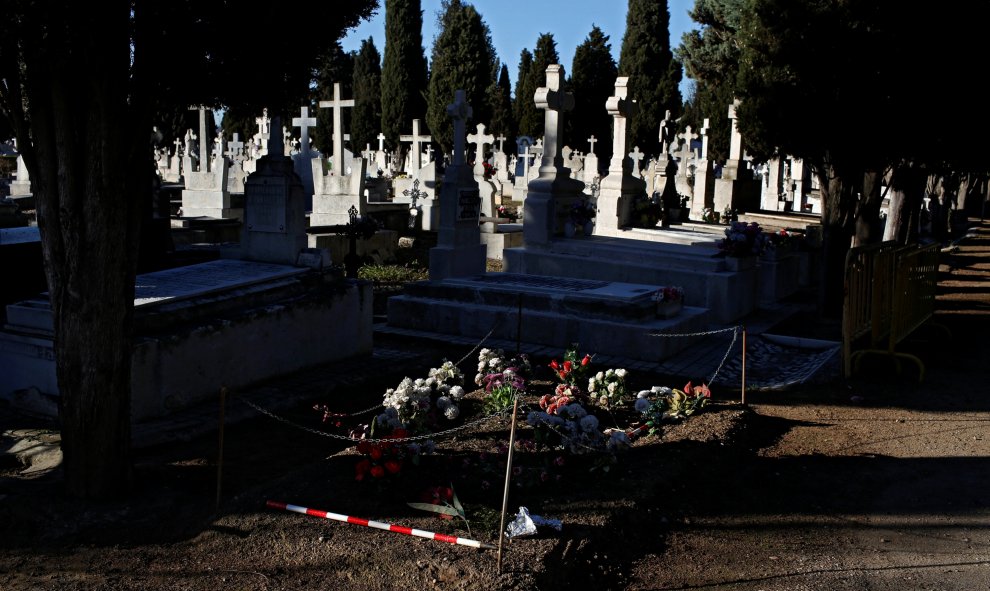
(404, 71)
(503, 121)
(366, 117)
(545, 54)
(654, 74)
(592, 82)
(463, 59)
(336, 66)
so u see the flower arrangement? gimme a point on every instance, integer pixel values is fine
(582, 212)
(742, 239)
(668, 294)
(661, 403)
(387, 457)
(577, 431)
(782, 240)
(571, 371)
(507, 213)
(415, 404)
(489, 170)
(608, 388)
(710, 216)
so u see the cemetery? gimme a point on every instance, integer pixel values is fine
(516, 333)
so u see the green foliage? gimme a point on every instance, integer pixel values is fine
(336, 66)
(654, 74)
(445, 504)
(522, 104)
(463, 59)
(366, 116)
(529, 118)
(393, 273)
(592, 82)
(404, 69)
(501, 108)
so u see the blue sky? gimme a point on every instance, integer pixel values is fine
(516, 24)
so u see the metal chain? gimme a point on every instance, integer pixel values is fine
(436, 435)
(735, 334)
(694, 334)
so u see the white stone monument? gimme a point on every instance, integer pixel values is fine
(619, 188)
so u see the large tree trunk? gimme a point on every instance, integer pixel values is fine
(839, 203)
(867, 222)
(907, 188)
(83, 159)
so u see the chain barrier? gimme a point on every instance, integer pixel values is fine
(735, 335)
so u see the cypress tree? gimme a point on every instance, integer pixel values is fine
(337, 66)
(592, 82)
(654, 74)
(503, 121)
(404, 71)
(545, 54)
(366, 117)
(523, 104)
(463, 59)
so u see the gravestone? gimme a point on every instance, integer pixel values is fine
(522, 171)
(459, 251)
(203, 150)
(737, 189)
(419, 169)
(235, 158)
(206, 194)
(704, 187)
(274, 209)
(486, 188)
(302, 162)
(591, 171)
(619, 188)
(685, 156)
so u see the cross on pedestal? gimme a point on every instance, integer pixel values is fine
(429, 153)
(381, 142)
(338, 105)
(523, 142)
(553, 101)
(234, 147)
(459, 111)
(304, 122)
(264, 128)
(480, 140)
(177, 144)
(636, 156)
(688, 137)
(414, 195)
(416, 151)
(620, 107)
(218, 147)
(501, 142)
(592, 140)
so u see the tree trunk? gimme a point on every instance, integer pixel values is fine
(867, 223)
(838, 206)
(907, 187)
(88, 179)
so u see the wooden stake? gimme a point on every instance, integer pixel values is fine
(508, 480)
(519, 326)
(223, 406)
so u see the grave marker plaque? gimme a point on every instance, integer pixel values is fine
(468, 205)
(265, 211)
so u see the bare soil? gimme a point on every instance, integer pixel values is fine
(876, 482)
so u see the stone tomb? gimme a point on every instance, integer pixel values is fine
(604, 316)
(221, 323)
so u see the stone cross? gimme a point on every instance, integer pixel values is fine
(264, 127)
(553, 101)
(204, 161)
(704, 139)
(480, 140)
(414, 195)
(592, 140)
(636, 156)
(459, 111)
(688, 137)
(417, 150)
(381, 142)
(523, 142)
(621, 108)
(338, 105)
(234, 147)
(304, 122)
(218, 147)
(177, 143)
(501, 142)
(685, 153)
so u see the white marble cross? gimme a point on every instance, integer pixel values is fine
(592, 140)
(688, 137)
(429, 152)
(480, 140)
(304, 122)
(264, 128)
(381, 142)
(501, 142)
(620, 107)
(553, 101)
(704, 139)
(337, 104)
(416, 150)
(234, 147)
(459, 111)
(636, 156)
(177, 143)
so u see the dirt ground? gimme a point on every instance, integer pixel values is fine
(878, 482)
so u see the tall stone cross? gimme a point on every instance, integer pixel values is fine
(304, 122)
(735, 139)
(480, 140)
(204, 165)
(636, 156)
(338, 105)
(501, 142)
(381, 142)
(235, 147)
(415, 158)
(177, 143)
(704, 139)
(459, 111)
(592, 140)
(620, 107)
(553, 101)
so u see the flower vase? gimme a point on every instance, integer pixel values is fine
(743, 263)
(669, 309)
(569, 229)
